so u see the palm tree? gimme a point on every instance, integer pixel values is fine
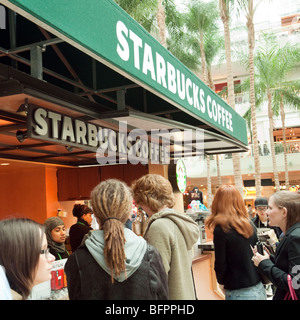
(200, 19)
(272, 63)
(286, 93)
(251, 43)
(224, 6)
(185, 47)
(144, 12)
(213, 43)
(161, 23)
(248, 8)
(209, 192)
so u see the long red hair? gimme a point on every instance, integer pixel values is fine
(228, 210)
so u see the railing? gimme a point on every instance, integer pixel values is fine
(242, 98)
(265, 150)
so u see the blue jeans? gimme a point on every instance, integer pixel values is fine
(256, 292)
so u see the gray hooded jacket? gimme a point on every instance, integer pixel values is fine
(135, 248)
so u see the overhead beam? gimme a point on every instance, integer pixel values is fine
(36, 62)
(27, 47)
(65, 61)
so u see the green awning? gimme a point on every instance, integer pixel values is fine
(104, 31)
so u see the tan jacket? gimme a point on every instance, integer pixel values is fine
(174, 234)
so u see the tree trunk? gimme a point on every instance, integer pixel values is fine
(238, 179)
(270, 115)
(203, 58)
(161, 23)
(251, 43)
(218, 171)
(204, 78)
(210, 79)
(282, 113)
(209, 192)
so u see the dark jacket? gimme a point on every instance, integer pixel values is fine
(233, 265)
(286, 260)
(59, 255)
(258, 224)
(77, 232)
(88, 281)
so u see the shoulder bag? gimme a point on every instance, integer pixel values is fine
(291, 294)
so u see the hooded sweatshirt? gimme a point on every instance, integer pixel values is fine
(135, 248)
(89, 278)
(174, 234)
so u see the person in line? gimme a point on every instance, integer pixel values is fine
(250, 211)
(283, 212)
(171, 232)
(56, 237)
(234, 234)
(261, 219)
(115, 263)
(78, 230)
(24, 255)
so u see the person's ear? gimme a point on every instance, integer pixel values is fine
(284, 213)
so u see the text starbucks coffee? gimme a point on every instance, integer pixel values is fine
(48, 125)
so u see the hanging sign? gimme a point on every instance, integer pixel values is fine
(109, 145)
(181, 175)
(177, 176)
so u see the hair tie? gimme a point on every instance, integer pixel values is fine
(110, 219)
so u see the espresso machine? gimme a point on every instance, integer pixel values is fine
(200, 217)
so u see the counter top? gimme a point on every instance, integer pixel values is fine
(199, 255)
(207, 245)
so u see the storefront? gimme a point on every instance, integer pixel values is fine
(87, 94)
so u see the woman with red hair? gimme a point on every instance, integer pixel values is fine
(234, 234)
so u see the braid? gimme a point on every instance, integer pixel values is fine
(114, 251)
(112, 198)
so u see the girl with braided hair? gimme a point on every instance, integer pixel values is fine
(115, 263)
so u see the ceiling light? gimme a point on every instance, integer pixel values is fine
(23, 109)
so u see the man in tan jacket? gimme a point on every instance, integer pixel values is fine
(171, 232)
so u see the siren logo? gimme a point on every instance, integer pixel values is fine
(2, 18)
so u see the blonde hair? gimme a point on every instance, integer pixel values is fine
(154, 191)
(228, 211)
(112, 204)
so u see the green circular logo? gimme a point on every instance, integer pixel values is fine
(181, 175)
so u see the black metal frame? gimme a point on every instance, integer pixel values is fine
(89, 101)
